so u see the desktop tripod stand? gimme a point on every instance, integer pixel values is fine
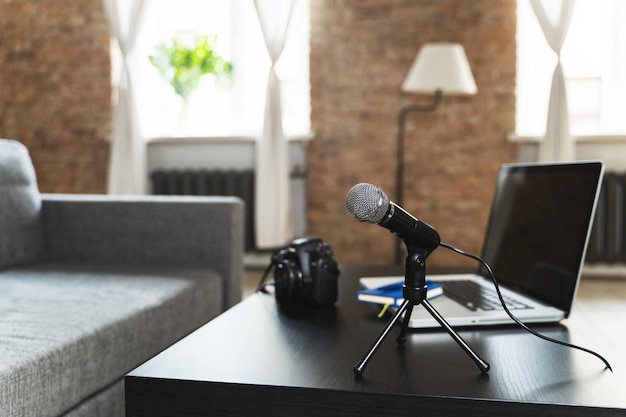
(414, 292)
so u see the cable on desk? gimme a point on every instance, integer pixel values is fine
(515, 319)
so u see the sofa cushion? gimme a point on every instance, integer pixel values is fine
(68, 332)
(107, 403)
(21, 238)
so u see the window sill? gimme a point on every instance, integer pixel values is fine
(220, 139)
(586, 138)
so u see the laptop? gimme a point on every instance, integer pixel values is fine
(536, 239)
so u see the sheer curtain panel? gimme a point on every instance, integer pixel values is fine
(557, 144)
(128, 151)
(273, 212)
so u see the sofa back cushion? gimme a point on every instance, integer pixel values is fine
(21, 234)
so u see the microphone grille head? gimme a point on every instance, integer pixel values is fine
(367, 203)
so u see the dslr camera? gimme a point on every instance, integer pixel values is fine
(305, 271)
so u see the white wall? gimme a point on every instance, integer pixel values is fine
(229, 153)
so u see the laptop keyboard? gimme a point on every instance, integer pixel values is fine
(474, 296)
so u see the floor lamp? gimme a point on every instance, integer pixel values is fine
(439, 68)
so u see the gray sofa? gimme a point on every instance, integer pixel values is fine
(91, 286)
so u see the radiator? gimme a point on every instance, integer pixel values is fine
(210, 182)
(608, 237)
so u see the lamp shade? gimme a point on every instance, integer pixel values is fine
(440, 66)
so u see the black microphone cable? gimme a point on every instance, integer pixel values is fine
(515, 319)
(262, 285)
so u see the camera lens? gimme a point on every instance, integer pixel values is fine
(284, 280)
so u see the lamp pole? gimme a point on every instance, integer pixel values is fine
(400, 145)
(400, 149)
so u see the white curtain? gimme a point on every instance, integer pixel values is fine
(128, 152)
(273, 213)
(557, 144)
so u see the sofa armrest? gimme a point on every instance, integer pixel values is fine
(177, 231)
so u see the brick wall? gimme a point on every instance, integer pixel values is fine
(55, 97)
(360, 53)
(55, 89)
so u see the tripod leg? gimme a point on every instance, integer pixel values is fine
(405, 324)
(482, 365)
(359, 368)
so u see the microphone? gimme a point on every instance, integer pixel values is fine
(368, 203)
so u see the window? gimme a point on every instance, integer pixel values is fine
(214, 110)
(594, 63)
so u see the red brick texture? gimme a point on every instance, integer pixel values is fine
(55, 89)
(360, 54)
(55, 96)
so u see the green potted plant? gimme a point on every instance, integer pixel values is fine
(183, 66)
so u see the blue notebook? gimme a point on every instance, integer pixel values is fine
(391, 294)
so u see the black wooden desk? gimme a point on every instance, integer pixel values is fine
(262, 359)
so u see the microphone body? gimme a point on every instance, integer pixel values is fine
(413, 231)
(368, 203)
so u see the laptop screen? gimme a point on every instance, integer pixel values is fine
(538, 228)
